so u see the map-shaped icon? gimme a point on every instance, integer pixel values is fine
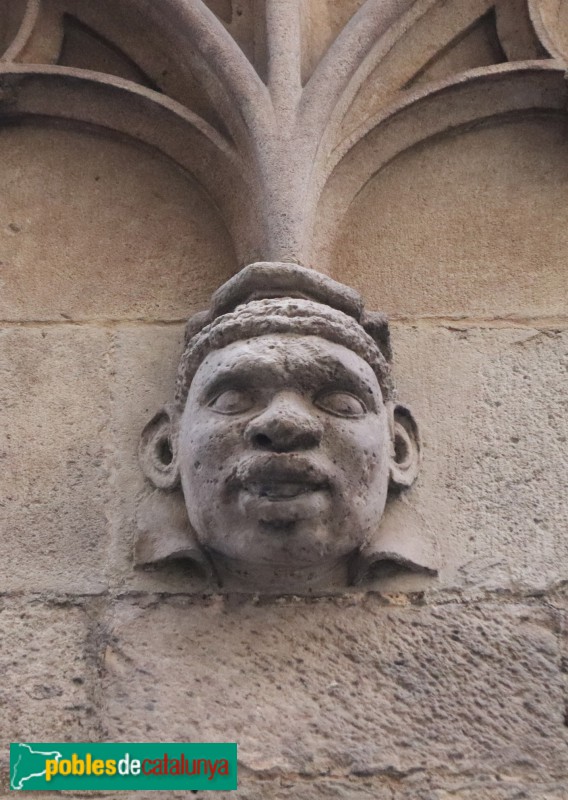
(27, 763)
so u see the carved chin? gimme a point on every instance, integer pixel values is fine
(298, 531)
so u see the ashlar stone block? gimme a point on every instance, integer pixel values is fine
(54, 407)
(47, 667)
(491, 406)
(346, 686)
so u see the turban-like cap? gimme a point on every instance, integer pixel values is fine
(286, 298)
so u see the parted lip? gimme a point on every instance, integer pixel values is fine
(281, 490)
(279, 475)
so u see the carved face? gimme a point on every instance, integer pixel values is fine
(284, 451)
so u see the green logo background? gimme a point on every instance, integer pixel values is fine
(28, 767)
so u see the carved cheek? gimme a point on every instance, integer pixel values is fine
(211, 441)
(371, 452)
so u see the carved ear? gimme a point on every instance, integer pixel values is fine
(158, 449)
(405, 459)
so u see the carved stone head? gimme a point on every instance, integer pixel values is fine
(285, 434)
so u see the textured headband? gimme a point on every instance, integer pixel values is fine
(281, 315)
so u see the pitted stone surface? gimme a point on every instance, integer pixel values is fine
(495, 460)
(443, 785)
(371, 789)
(350, 685)
(291, 789)
(46, 693)
(424, 788)
(352, 789)
(473, 789)
(54, 407)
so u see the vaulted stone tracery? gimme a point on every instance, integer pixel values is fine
(282, 111)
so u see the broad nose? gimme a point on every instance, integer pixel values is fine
(286, 425)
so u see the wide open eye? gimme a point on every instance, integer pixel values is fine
(232, 401)
(342, 404)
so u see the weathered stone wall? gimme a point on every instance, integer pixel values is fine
(417, 689)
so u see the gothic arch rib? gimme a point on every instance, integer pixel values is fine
(92, 98)
(456, 103)
(275, 155)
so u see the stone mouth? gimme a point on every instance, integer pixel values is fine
(280, 476)
(282, 490)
